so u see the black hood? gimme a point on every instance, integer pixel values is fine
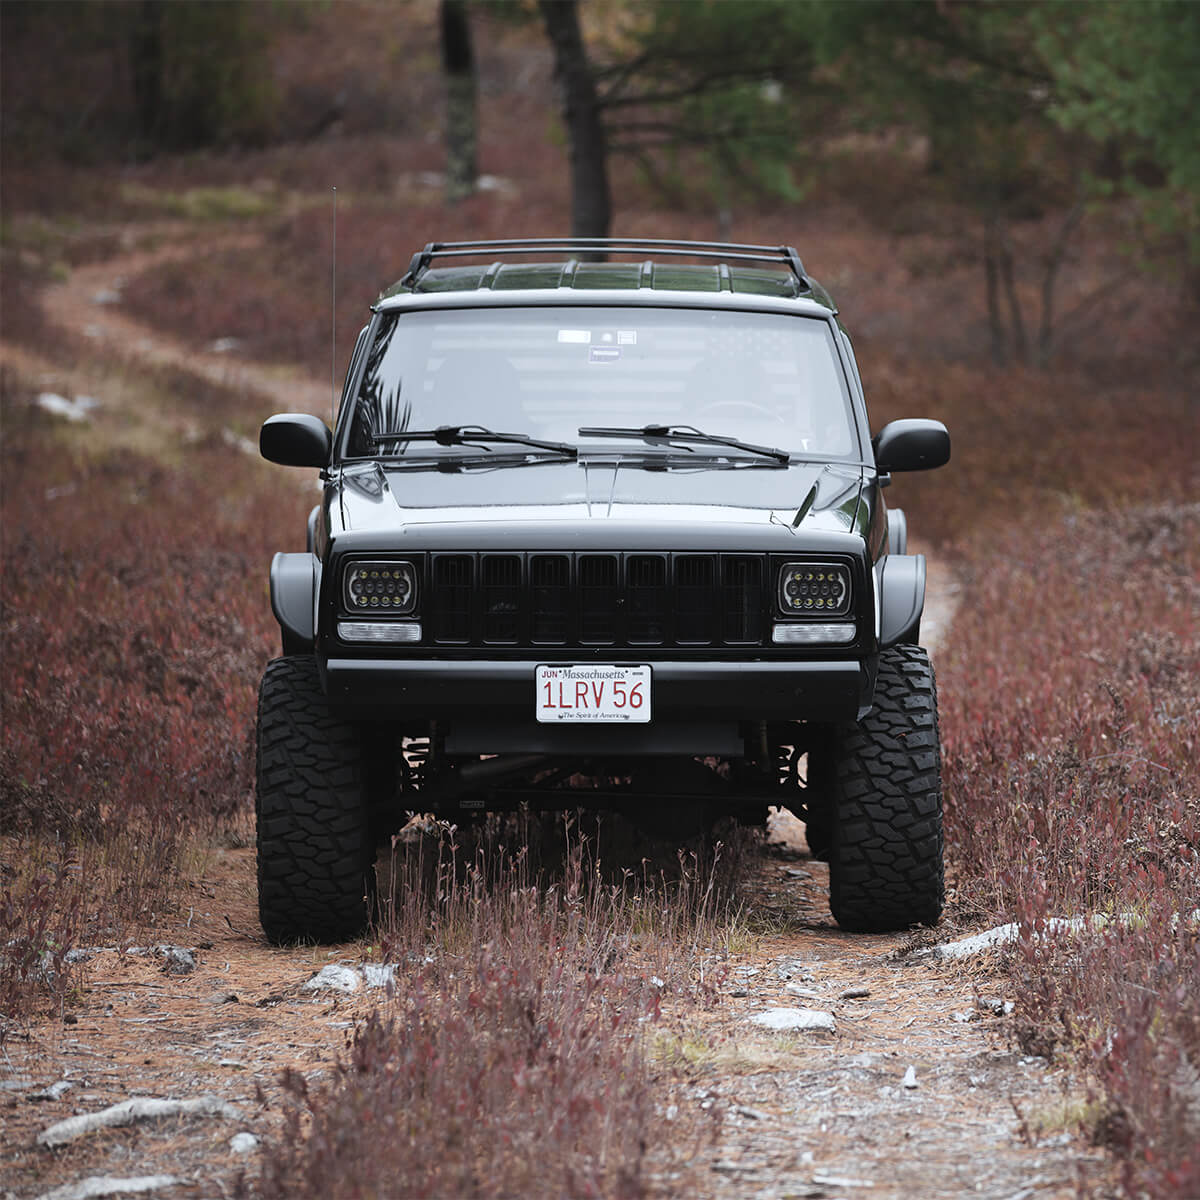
(802, 497)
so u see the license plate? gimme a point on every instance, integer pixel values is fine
(592, 693)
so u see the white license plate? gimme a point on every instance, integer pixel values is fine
(592, 693)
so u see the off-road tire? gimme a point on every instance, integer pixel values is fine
(314, 847)
(885, 867)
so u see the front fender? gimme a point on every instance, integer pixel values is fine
(295, 583)
(901, 598)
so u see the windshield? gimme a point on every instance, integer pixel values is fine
(547, 372)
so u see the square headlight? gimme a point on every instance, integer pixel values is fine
(380, 588)
(814, 589)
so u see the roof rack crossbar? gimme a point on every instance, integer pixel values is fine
(724, 251)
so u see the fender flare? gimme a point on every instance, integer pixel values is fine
(295, 582)
(315, 516)
(901, 599)
(897, 531)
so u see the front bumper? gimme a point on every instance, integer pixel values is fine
(699, 693)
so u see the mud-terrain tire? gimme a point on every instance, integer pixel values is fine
(314, 847)
(885, 867)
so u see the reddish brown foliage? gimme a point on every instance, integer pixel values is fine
(134, 630)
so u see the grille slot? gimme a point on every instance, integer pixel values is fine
(696, 617)
(649, 611)
(561, 599)
(453, 584)
(741, 590)
(550, 595)
(598, 599)
(500, 581)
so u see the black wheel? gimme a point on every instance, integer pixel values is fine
(314, 847)
(885, 867)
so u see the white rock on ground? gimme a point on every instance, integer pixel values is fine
(794, 1020)
(243, 1143)
(71, 410)
(341, 977)
(1005, 935)
(110, 1185)
(336, 977)
(130, 1112)
(379, 975)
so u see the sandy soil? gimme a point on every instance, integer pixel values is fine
(825, 1114)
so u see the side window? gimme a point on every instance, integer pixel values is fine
(856, 387)
(352, 370)
(378, 394)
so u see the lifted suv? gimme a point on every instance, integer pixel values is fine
(608, 535)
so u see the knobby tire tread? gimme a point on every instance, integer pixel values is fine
(314, 849)
(886, 866)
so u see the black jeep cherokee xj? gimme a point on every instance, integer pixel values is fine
(602, 534)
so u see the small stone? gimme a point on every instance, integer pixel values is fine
(751, 1114)
(858, 993)
(71, 410)
(739, 993)
(243, 1143)
(841, 1181)
(54, 1092)
(796, 990)
(910, 1078)
(334, 978)
(178, 961)
(379, 975)
(789, 1020)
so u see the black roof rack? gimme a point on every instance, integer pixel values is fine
(723, 251)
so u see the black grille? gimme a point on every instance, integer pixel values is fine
(597, 599)
(453, 585)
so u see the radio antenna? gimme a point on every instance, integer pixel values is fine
(333, 321)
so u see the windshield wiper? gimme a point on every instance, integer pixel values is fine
(468, 435)
(683, 433)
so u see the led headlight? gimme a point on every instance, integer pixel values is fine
(380, 587)
(814, 589)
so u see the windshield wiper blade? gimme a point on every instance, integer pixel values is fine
(467, 435)
(683, 433)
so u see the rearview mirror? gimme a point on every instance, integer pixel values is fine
(296, 440)
(911, 445)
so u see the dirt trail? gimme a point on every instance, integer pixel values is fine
(88, 303)
(814, 1115)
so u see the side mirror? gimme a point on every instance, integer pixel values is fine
(911, 445)
(296, 440)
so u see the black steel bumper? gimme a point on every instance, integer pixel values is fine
(683, 691)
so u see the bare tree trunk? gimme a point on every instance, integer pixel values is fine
(591, 201)
(995, 318)
(1045, 346)
(458, 63)
(1016, 322)
(146, 66)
